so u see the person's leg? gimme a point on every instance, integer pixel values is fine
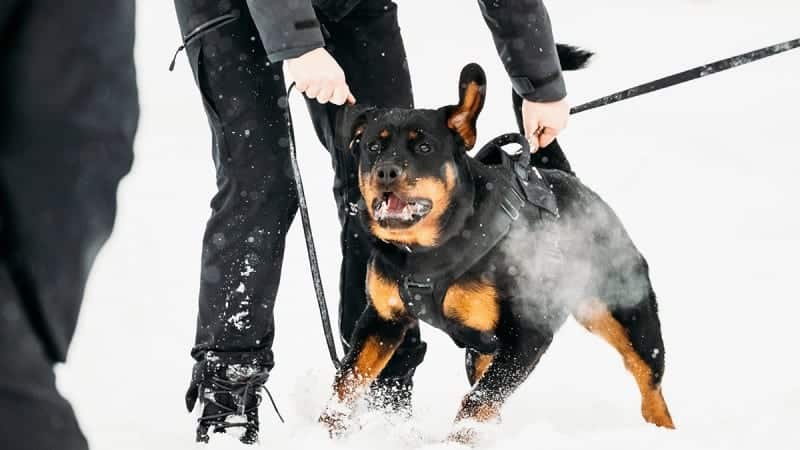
(368, 45)
(245, 100)
(69, 113)
(33, 415)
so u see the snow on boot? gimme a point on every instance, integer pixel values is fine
(229, 397)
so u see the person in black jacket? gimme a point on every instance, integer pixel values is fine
(336, 51)
(69, 115)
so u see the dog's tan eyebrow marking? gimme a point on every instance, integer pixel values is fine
(385, 133)
(413, 134)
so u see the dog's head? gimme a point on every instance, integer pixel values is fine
(409, 162)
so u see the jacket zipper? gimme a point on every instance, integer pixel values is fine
(203, 29)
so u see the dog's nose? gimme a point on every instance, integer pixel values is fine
(388, 173)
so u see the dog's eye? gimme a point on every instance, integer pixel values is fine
(374, 147)
(424, 148)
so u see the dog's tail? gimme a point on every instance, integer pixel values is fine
(573, 58)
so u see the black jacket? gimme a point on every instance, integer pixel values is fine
(521, 31)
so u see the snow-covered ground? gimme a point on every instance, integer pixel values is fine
(704, 176)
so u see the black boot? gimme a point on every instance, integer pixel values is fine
(226, 392)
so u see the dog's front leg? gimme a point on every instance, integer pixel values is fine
(379, 331)
(520, 348)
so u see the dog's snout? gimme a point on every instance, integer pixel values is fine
(388, 173)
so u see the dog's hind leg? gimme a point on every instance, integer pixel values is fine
(635, 332)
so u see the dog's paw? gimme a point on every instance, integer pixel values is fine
(655, 411)
(464, 436)
(335, 420)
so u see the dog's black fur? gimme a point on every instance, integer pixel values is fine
(421, 192)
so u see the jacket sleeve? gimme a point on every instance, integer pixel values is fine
(288, 28)
(524, 41)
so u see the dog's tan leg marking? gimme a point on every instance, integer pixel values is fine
(482, 363)
(474, 304)
(594, 315)
(384, 295)
(372, 359)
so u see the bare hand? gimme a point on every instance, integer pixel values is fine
(544, 121)
(319, 76)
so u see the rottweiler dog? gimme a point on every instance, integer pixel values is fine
(491, 250)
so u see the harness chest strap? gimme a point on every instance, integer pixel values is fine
(427, 276)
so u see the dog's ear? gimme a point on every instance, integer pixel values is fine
(462, 118)
(351, 121)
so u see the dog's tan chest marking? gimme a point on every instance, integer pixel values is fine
(384, 295)
(473, 303)
(595, 316)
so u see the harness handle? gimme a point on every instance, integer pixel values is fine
(521, 160)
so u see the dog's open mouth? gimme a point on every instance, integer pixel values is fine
(394, 211)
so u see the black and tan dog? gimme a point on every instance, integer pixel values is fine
(494, 252)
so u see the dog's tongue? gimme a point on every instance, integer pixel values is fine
(394, 203)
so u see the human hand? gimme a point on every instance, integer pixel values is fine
(319, 76)
(544, 121)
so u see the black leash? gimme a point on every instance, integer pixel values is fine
(312, 251)
(689, 75)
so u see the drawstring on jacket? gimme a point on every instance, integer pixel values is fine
(203, 29)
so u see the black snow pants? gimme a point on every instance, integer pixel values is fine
(245, 100)
(68, 115)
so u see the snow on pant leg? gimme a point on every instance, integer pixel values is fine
(368, 45)
(69, 112)
(33, 415)
(245, 100)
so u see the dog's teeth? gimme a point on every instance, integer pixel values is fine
(407, 214)
(380, 211)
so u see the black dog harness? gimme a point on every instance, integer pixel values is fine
(505, 185)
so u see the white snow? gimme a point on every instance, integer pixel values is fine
(703, 175)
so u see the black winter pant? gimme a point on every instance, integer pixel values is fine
(245, 100)
(68, 114)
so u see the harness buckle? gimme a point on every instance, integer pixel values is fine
(411, 284)
(510, 207)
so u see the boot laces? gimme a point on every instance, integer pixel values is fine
(240, 390)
